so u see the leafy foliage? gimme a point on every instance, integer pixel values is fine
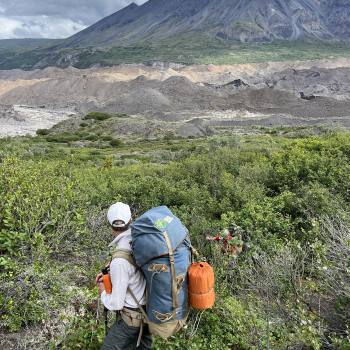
(189, 48)
(115, 142)
(283, 193)
(42, 132)
(97, 116)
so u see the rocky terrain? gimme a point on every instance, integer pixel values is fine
(195, 98)
(25, 120)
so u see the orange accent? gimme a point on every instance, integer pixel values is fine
(107, 283)
(201, 281)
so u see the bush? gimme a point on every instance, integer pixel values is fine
(64, 137)
(42, 132)
(115, 143)
(91, 137)
(107, 138)
(98, 116)
(289, 288)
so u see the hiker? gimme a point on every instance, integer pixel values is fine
(128, 283)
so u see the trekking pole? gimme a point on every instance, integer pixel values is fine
(105, 312)
(108, 288)
(97, 310)
(106, 280)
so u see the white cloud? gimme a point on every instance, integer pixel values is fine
(53, 18)
(38, 27)
(8, 26)
(86, 11)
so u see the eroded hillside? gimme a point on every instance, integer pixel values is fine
(269, 94)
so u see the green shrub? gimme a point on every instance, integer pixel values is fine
(100, 116)
(84, 333)
(64, 137)
(42, 132)
(115, 143)
(53, 234)
(91, 137)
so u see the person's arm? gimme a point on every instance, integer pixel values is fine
(119, 273)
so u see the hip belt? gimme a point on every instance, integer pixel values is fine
(132, 317)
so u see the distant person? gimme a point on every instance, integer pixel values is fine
(127, 283)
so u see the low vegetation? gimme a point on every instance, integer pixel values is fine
(95, 129)
(201, 50)
(289, 289)
(97, 116)
(42, 132)
(185, 49)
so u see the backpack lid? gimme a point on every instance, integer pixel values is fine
(148, 241)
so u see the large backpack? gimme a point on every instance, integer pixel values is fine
(162, 250)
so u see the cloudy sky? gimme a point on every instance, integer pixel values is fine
(53, 18)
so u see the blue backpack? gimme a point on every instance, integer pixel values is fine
(162, 250)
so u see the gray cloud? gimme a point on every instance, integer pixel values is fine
(53, 18)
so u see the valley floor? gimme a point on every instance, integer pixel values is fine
(188, 100)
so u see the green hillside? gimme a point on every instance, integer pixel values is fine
(185, 49)
(26, 44)
(287, 193)
(202, 50)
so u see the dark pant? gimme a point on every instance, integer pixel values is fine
(123, 337)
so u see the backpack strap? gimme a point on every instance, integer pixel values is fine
(173, 273)
(125, 254)
(142, 310)
(143, 313)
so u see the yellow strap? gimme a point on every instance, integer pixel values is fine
(173, 273)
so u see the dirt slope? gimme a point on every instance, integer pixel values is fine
(312, 91)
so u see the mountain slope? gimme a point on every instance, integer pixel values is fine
(200, 31)
(337, 17)
(26, 44)
(239, 20)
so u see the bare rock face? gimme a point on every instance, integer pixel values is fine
(337, 17)
(246, 21)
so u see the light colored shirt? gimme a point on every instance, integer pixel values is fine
(124, 275)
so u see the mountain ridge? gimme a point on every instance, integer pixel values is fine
(197, 31)
(237, 20)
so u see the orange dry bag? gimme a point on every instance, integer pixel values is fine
(106, 278)
(201, 282)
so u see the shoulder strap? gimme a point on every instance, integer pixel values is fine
(173, 274)
(127, 255)
(120, 253)
(138, 304)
